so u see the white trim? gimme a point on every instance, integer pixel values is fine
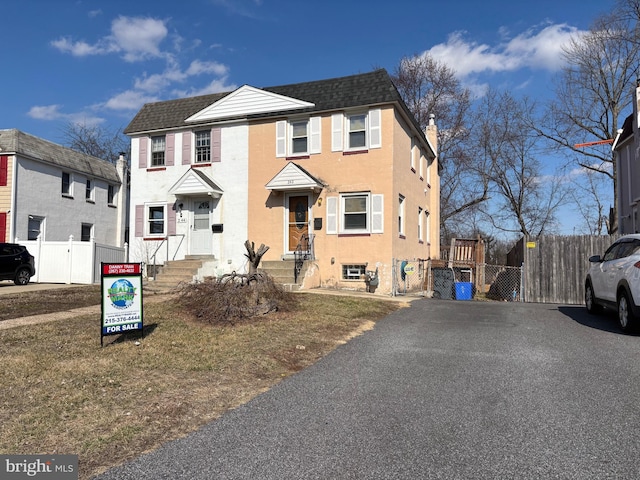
(246, 101)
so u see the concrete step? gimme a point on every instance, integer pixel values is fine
(282, 272)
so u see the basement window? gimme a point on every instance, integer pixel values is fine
(353, 272)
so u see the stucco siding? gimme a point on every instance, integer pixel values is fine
(379, 171)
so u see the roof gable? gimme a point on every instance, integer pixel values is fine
(294, 177)
(246, 101)
(195, 182)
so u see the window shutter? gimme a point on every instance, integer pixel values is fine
(336, 132)
(375, 133)
(216, 144)
(171, 220)
(281, 138)
(143, 143)
(186, 148)
(3, 227)
(332, 215)
(139, 220)
(170, 153)
(316, 139)
(377, 213)
(4, 170)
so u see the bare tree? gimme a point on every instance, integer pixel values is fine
(588, 202)
(95, 140)
(522, 199)
(428, 87)
(592, 91)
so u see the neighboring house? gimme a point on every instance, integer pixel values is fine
(340, 164)
(51, 192)
(626, 148)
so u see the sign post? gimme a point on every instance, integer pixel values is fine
(121, 298)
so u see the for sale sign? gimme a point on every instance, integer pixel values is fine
(121, 298)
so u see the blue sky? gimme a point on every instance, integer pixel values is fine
(99, 61)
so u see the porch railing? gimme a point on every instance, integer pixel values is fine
(304, 251)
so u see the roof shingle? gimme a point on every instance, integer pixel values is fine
(16, 142)
(373, 88)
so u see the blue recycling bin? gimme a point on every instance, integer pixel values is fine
(464, 290)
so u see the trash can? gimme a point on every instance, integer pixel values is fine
(464, 290)
(443, 280)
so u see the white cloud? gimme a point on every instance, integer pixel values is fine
(141, 38)
(53, 112)
(138, 37)
(78, 49)
(45, 112)
(534, 48)
(130, 100)
(215, 86)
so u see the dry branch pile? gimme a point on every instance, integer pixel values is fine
(234, 297)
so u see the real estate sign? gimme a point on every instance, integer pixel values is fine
(121, 298)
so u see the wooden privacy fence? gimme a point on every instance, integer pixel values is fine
(554, 266)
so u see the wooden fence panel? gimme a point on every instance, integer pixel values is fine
(555, 266)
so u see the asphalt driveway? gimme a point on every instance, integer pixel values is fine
(442, 390)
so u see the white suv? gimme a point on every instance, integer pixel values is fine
(613, 281)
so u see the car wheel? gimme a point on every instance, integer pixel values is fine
(626, 318)
(22, 277)
(590, 300)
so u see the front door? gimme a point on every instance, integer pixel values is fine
(201, 235)
(297, 221)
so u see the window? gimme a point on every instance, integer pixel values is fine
(355, 212)
(86, 232)
(88, 194)
(155, 220)
(401, 203)
(414, 153)
(353, 272)
(299, 136)
(426, 222)
(111, 195)
(67, 186)
(357, 131)
(203, 147)
(158, 145)
(420, 225)
(34, 228)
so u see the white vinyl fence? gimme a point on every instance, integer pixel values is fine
(71, 261)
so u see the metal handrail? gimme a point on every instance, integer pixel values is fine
(153, 256)
(301, 254)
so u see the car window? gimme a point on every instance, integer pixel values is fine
(611, 252)
(6, 250)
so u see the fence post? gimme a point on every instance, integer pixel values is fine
(39, 253)
(70, 260)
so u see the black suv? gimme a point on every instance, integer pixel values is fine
(16, 263)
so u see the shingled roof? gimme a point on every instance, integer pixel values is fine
(373, 88)
(16, 142)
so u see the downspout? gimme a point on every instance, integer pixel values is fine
(122, 207)
(14, 194)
